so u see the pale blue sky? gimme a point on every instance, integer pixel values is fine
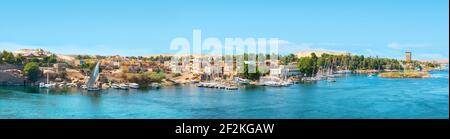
(385, 28)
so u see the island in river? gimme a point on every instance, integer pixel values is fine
(405, 74)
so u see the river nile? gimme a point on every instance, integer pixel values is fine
(352, 96)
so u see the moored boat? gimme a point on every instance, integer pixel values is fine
(134, 85)
(123, 86)
(155, 85)
(231, 88)
(343, 71)
(331, 80)
(92, 88)
(42, 85)
(46, 85)
(273, 84)
(84, 86)
(90, 85)
(115, 86)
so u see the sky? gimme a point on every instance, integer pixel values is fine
(384, 28)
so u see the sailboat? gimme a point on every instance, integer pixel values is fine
(46, 85)
(90, 85)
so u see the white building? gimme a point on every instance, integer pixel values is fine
(196, 66)
(176, 68)
(285, 71)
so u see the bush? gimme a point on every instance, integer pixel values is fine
(32, 71)
(146, 78)
(175, 74)
(155, 77)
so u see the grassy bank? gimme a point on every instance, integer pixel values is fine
(405, 74)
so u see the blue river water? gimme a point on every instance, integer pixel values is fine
(352, 96)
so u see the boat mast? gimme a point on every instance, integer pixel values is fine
(93, 76)
(47, 77)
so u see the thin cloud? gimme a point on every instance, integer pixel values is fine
(283, 42)
(329, 44)
(64, 49)
(8, 46)
(403, 46)
(431, 56)
(292, 47)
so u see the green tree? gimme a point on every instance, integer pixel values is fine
(20, 59)
(251, 76)
(62, 74)
(53, 58)
(34, 60)
(45, 59)
(87, 67)
(79, 57)
(305, 66)
(8, 57)
(1, 58)
(32, 71)
(308, 65)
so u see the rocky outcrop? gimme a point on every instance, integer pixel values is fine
(407, 74)
(10, 79)
(9, 66)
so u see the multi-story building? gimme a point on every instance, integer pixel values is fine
(285, 71)
(197, 65)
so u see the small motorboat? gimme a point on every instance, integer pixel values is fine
(42, 85)
(61, 85)
(220, 86)
(331, 80)
(195, 81)
(155, 85)
(310, 79)
(123, 86)
(84, 86)
(231, 88)
(46, 85)
(134, 85)
(115, 86)
(273, 84)
(242, 81)
(93, 89)
(199, 85)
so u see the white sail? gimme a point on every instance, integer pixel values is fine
(94, 76)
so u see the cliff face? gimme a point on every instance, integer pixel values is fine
(11, 75)
(10, 79)
(9, 66)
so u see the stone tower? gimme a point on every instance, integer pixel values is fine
(408, 56)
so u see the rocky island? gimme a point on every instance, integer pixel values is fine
(406, 74)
